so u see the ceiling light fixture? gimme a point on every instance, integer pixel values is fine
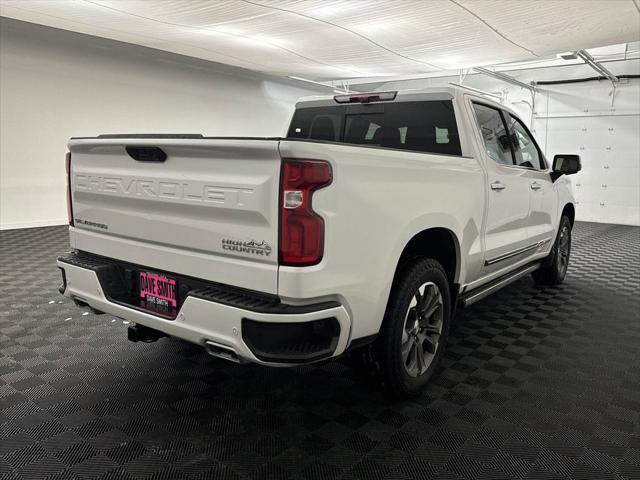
(568, 56)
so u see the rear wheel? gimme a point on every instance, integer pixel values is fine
(415, 328)
(554, 268)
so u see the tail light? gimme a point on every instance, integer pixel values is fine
(69, 205)
(301, 229)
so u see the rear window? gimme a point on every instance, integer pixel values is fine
(428, 126)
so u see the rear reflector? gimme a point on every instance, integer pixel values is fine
(69, 205)
(301, 229)
(366, 97)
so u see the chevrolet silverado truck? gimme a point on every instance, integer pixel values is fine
(361, 230)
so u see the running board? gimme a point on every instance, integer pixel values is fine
(471, 297)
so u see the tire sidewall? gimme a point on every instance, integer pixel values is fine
(425, 270)
(560, 275)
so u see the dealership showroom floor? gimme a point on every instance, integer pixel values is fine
(175, 153)
(538, 382)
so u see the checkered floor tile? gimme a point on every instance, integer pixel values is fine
(537, 383)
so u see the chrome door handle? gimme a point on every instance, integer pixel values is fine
(498, 186)
(536, 186)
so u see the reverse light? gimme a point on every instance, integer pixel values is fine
(69, 205)
(301, 229)
(293, 199)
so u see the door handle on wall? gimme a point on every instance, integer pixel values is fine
(536, 186)
(498, 186)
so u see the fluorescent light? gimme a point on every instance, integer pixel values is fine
(568, 56)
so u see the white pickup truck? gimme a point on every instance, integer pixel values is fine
(361, 230)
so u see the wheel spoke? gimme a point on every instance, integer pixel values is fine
(418, 299)
(416, 358)
(429, 344)
(410, 363)
(432, 328)
(414, 303)
(420, 358)
(434, 303)
(406, 349)
(408, 323)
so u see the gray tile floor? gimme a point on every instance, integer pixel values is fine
(537, 383)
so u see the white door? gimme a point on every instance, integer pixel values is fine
(529, 158)
(508, 188)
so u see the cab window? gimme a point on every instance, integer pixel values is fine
(422, 126)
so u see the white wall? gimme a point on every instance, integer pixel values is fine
(577, 118)
(56, 84)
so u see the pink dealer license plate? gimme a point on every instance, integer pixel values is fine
(157, 290)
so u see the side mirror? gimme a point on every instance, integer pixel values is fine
(565, 165)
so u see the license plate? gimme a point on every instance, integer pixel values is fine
(157, 290)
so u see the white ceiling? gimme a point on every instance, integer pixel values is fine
(338, 39)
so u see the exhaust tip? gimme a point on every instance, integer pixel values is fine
(221, 351)
(80, 303)
(63, 286)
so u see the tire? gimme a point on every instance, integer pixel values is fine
(554, 267)
(407, 332)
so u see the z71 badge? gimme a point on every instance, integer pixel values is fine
(252, 247)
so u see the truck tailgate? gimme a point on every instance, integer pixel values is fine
(209, 210)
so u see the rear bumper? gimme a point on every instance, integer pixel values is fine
(255, 327)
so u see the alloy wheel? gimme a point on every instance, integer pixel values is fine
(422, 329)
(563, 249)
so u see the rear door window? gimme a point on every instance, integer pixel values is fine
(493, 129)
(427, 126)
(528, 154)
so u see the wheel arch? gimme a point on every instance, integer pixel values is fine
(439, 243)
(570, 211)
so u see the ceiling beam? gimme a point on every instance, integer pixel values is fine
(505, 78)
(598, 67)
(477, 90)
(393, 78)
(306, 80)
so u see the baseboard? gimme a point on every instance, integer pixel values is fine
(32, 224)
(633, 223)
